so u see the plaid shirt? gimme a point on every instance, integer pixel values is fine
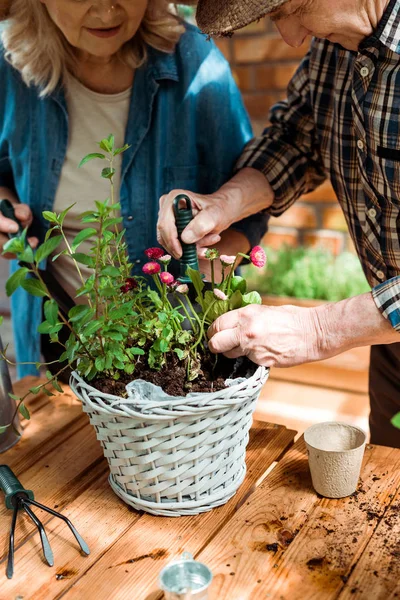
(342, 120)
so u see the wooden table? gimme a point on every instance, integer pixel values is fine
(275, 539)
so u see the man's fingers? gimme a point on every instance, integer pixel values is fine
(205, 222)
(225, 341)
(7, 225)
(209, 240)
(228, 320)
(235, 353)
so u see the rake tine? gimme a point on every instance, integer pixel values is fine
(83, 545)
(10, 562)
(48, 554)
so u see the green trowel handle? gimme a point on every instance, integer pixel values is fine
(183, 216)
(7, 209)
(11, 486)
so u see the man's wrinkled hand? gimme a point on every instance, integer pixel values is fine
(270, 336)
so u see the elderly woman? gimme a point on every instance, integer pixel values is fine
(71, 72)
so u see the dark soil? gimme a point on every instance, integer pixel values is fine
(172, 377)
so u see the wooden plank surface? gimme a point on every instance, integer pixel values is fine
(128, 549)
(289, 543)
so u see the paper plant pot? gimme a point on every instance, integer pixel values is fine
(169, 455)
(335, 453)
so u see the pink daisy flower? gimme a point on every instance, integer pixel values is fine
(183, 288)
(151, 268)
(154, 253)
(227, 261)
(165, 259)
(167, 278)
(257, 256)
(219, 294)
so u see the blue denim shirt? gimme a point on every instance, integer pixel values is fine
(186, 128)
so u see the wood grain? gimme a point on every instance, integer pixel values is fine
(139, 545)
(292, 544)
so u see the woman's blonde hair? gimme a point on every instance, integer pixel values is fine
(37, 48)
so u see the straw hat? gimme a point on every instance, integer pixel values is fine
(221, 17)
(4, 8)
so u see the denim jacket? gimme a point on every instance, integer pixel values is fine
(186, 128)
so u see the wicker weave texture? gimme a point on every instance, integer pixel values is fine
(177, 457)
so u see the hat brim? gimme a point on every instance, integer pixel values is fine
(222, 17)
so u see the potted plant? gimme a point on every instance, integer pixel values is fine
(172, 418)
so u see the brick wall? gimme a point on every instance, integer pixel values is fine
(263, 64)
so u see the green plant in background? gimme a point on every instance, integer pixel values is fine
(309, 273)
(124, 320)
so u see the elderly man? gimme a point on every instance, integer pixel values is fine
(341, 120)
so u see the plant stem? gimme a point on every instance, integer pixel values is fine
(202, 327)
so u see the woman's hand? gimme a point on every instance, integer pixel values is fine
(270, 336)
(24, 215)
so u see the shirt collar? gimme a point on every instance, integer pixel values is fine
(388, 30)
(161, 65)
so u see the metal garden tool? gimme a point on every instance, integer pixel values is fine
(8, 412)
(18, 498)
(63, 300)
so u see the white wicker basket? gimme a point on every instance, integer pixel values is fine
(174, 456)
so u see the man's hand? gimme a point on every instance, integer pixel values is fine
(246, 193)
(288, 336)
(211, 217)
(270, 336)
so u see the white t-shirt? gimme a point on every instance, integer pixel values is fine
(92, 117)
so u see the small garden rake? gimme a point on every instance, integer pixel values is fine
(18, 498)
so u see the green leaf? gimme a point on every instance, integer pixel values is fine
(50, 216)
(91, 328)
(34, 287)
(84, 259)
(1, 319)
(110, 222)
(14, 245)
(76, 313)
(47, 248)
(47, 392)
(120, 150)
(57, 386)
(196, 279)
(27, 255)
(100, 363)
(36, 389)
(47, 327)
(122, 311)
(91, 157)
(180, 353)
(238, 283)
(107, 173)
(114, 335)
(15, 280)
(4, 428)
(104, 145)
(110, 271)
(135, 351)
(51, 311)
(252, 298)
(236, 300)
(396, 420)
(129, 368)
(83, 235)
(24, 411)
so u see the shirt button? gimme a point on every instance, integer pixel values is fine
(372, 213)
(360, 144)
(380, 275)
(130, 218)
(137, 261)
(364, 72)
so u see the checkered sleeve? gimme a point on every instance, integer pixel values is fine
(387, 299)
(287, 152)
